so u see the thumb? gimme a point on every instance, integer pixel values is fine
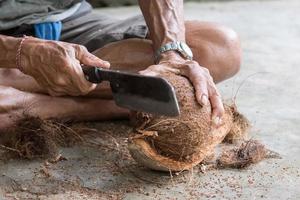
(92, 60)
(89, 59)
(148, 72)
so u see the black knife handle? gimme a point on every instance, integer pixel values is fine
(92, 74)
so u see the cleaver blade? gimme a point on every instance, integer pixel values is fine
(137, 92)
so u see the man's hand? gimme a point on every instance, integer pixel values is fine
(205, 89)
(165, 21)
(57, 66)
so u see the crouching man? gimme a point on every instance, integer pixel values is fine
(41, 73)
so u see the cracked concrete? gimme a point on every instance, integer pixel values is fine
(269, 95)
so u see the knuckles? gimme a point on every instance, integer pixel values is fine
(192, 67)
(85, 90)
(60, 81)
(62, 78)
(80, 49)
(213, 91)
(206, 71)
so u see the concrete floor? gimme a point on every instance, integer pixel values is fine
(270, 34)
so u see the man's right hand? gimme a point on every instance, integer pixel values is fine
(56, 66)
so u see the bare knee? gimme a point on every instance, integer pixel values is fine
(130, 54)
(215, 47)
(233, 50)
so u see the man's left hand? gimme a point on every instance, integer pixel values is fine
(205, 88)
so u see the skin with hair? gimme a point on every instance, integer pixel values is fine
(51, 67)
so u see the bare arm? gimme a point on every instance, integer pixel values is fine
(165, 21)
(8, 51)
(55, 65)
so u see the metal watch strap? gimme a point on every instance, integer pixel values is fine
(169, 46)
(176, 46)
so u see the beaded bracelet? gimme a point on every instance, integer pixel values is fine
(18, 55)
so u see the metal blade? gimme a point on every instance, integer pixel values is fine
(144, 93)
(149, 95)
(137, 92)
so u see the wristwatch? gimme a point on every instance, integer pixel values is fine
(180, 47)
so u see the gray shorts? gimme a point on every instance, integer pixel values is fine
(95, 30)
(90, 29)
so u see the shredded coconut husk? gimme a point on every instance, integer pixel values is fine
(33, 137)
(239, 129)
(179, 143)
(249, 152)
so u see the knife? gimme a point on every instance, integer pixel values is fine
(137, 92)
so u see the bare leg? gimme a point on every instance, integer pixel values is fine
(15, 103)
(215, 47)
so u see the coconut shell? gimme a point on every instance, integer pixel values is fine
(177, 143)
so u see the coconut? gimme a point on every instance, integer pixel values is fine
(178, 143)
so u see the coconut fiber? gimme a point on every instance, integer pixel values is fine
(179, 143)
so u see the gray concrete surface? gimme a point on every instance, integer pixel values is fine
(270, 34)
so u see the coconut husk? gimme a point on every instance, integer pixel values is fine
(29, 139)
(249, 152)
(239, 129)
(33, 137)
(178, 143)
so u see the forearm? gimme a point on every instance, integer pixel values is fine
(165, 20)
(166, 24)
(8, 51)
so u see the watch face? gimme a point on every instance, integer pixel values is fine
(186, 49)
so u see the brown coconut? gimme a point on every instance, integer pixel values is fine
(178, 143)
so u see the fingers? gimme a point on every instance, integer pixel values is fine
(205, 90)
(60, 72)
(83, 86)
(148, 72)
(157, 70)
(199, 81)
(200, 90)
(217, 107)
(79, 85)
(72, 83)
(87, 58)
